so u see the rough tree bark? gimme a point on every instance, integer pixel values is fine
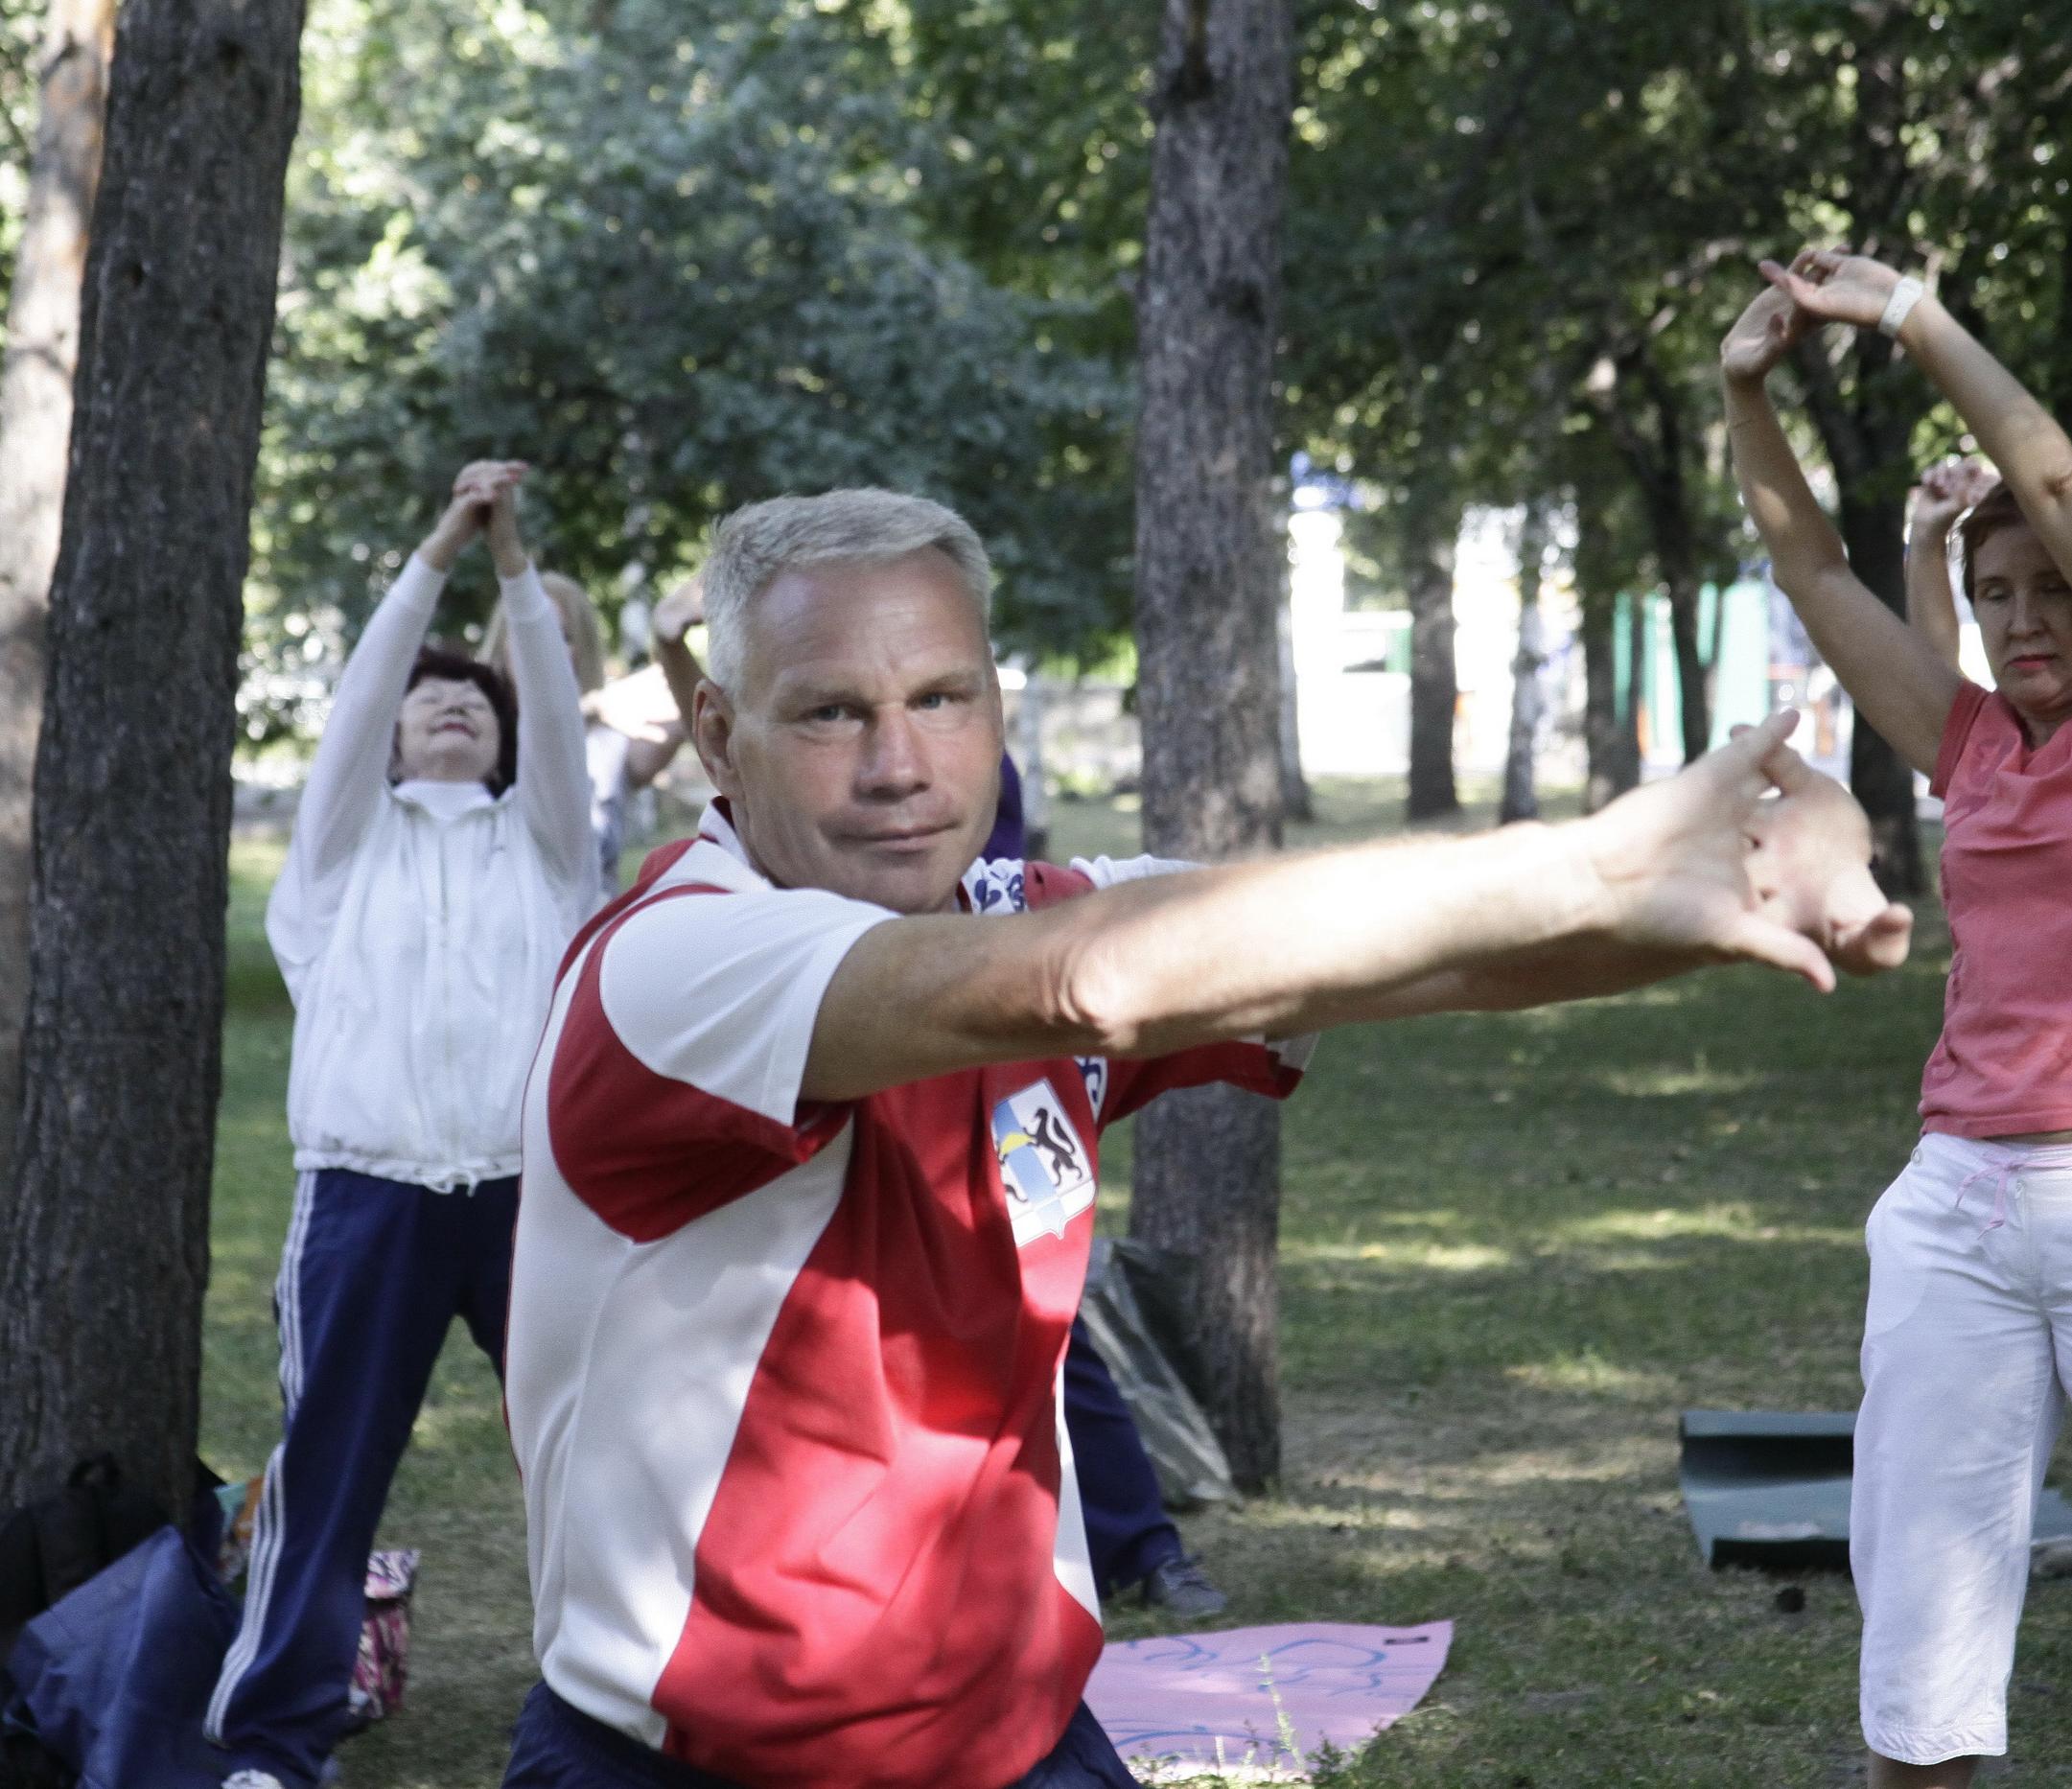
(1520, 801)
(103, 1251)
(1431, 532)
(36, 426)
(1208, 586)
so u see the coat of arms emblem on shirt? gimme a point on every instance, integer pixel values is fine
(1047, 1171)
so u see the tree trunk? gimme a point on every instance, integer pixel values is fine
(1521, 801)
(1676, 555)
(1656, 459)
(1295, 800)
(1430, 529)
(35, 428)
(1611, 730)
(103, 1251)
(1873, 534)
(1208, 586)
(1693, 699)
(1611, 741)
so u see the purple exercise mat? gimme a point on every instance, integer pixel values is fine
(1244, 1697)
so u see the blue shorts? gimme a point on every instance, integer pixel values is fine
(558, 1747)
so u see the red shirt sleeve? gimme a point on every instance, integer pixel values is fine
(673, 1086)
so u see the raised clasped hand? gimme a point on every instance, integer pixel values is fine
(1834, 286)
(471, 507)
(490, 487)
(1947, 489)
(1762, 336)
(1710, 865)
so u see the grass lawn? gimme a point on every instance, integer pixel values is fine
(1514, 1247)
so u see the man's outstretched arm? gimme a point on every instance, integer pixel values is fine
(1658, 883)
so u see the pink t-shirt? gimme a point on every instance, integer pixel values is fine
(2003, 1065)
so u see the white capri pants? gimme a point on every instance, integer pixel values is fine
(1967, 1353)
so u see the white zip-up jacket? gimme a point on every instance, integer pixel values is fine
(419, 924)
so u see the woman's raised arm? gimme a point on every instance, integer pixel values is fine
(1893, 676)
(1947, 491)
(2015, 432)
(350, 768)
(553, 776)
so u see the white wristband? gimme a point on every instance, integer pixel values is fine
(1905, 297)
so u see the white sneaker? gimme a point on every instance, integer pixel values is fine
(253, 1779)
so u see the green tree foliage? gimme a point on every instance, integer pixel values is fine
(672, 252)
(21, 24)
(1518, 231)
(687, 254)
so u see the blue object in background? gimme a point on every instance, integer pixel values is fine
(116, 1675)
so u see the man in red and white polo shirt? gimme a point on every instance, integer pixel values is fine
(811, 1148)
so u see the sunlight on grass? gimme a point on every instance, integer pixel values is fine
(1736, 1222)
(1592, 1376)
(1439, 1257)
(449, 1422)
(1671, 1082)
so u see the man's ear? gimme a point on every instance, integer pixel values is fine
(711, 731)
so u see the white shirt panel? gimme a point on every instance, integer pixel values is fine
(687, 985)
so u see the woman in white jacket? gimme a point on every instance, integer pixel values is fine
(437, 871)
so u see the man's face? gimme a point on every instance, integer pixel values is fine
(861, 752)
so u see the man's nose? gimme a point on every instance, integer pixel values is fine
(895, 760)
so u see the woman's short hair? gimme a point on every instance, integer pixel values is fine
(1993, 514)
(578, 619)
(457, 667)
(863, 527)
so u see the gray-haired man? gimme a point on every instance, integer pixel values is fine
(810, 1162)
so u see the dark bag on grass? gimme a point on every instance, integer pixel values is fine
(116, 1676)
(53, 1546)
(47, 1549)
(1133, 1309)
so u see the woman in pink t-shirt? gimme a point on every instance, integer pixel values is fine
(1967, 1338)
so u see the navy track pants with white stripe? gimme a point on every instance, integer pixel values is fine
(372, 1275)
(1128, 1534)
